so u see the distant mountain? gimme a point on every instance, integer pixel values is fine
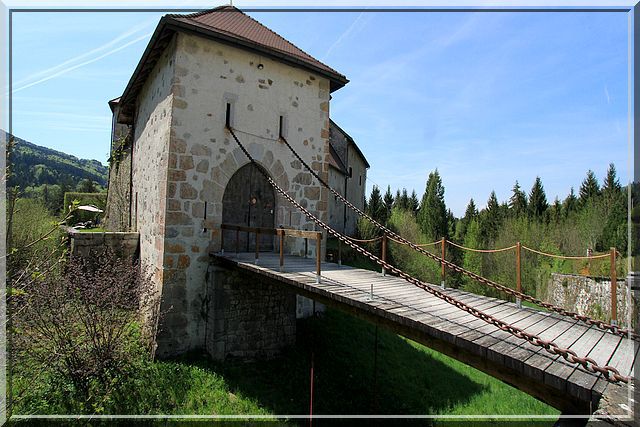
(34, 166)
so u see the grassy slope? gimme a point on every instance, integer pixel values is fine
(411, 379)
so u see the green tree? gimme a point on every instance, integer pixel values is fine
(589, 188)
(86, 186)
(611, 186)
(470, 213)
(402, 200)
(388, 203)
(490, 221)
(570, 204)
(375, 207)
(518, 201)
(472, 260)
(537, 200)
(432, 216)
(556, 211)
(414, 204)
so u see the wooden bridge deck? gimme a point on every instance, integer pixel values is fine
(418, 315)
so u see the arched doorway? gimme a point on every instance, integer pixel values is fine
(248, 200)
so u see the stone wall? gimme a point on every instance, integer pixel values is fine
(247, 318)
(202, 158)
(339, 219)
(589, 296)
(92, 244)
(356, 185)
(116, 217)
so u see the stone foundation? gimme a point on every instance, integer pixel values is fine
(93, 244)
(247, 318)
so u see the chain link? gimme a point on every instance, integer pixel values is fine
(609, 372)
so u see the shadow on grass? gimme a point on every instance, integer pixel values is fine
(408, 381)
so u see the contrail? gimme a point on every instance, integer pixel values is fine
(342, 36)
(122, 36)
(82, 64)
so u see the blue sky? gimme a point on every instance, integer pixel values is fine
(487, 98)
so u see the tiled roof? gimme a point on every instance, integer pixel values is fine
(227, 24)
(230, 21)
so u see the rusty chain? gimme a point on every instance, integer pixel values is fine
(609, 372)
(615, 329)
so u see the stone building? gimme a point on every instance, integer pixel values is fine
(177, 174)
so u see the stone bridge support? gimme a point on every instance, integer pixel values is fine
(247, 318)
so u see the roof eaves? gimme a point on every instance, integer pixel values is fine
(336, 79)
(157, 34)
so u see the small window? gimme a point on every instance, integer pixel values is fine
(282, 126)
(227, 117)
(360, 179)
(350, 172)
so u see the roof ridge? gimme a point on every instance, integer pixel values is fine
(235, 9)
(278, 35)
(200, 13)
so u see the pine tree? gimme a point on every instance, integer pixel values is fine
(611, 186)
(375, 207)
(432, 216)
(556, 210)
(413, 203)
(388, 203)
(537, 200)
(518, 201)
(470, 214)
(570, 203)
(589, 188)
(397, 201)
(402, 201)
(490, 220)
(472, 260)
(471, 211)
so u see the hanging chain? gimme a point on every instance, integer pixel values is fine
(609, 372)
(615, 329)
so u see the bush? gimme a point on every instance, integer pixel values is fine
(29, 222)
(81, 327)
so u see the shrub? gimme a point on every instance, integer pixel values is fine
(82, 328)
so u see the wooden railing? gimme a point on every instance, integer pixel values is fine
(282, 233)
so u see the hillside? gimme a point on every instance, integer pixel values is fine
(34, 166)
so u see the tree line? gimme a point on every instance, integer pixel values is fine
(594, 219)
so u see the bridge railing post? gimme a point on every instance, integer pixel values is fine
(614, 288)
(237, 243)
(281, 234)
(518, 274)
(443, 244)
(384, 253)
(257, 245)
(339, 252)
(318, 255)
(306, 247)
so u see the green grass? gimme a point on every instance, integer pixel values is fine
(91, 230)
(409, 379)
(532, 305)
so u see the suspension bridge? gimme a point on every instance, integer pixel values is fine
(563, 358)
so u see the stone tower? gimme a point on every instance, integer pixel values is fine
(182, 173)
